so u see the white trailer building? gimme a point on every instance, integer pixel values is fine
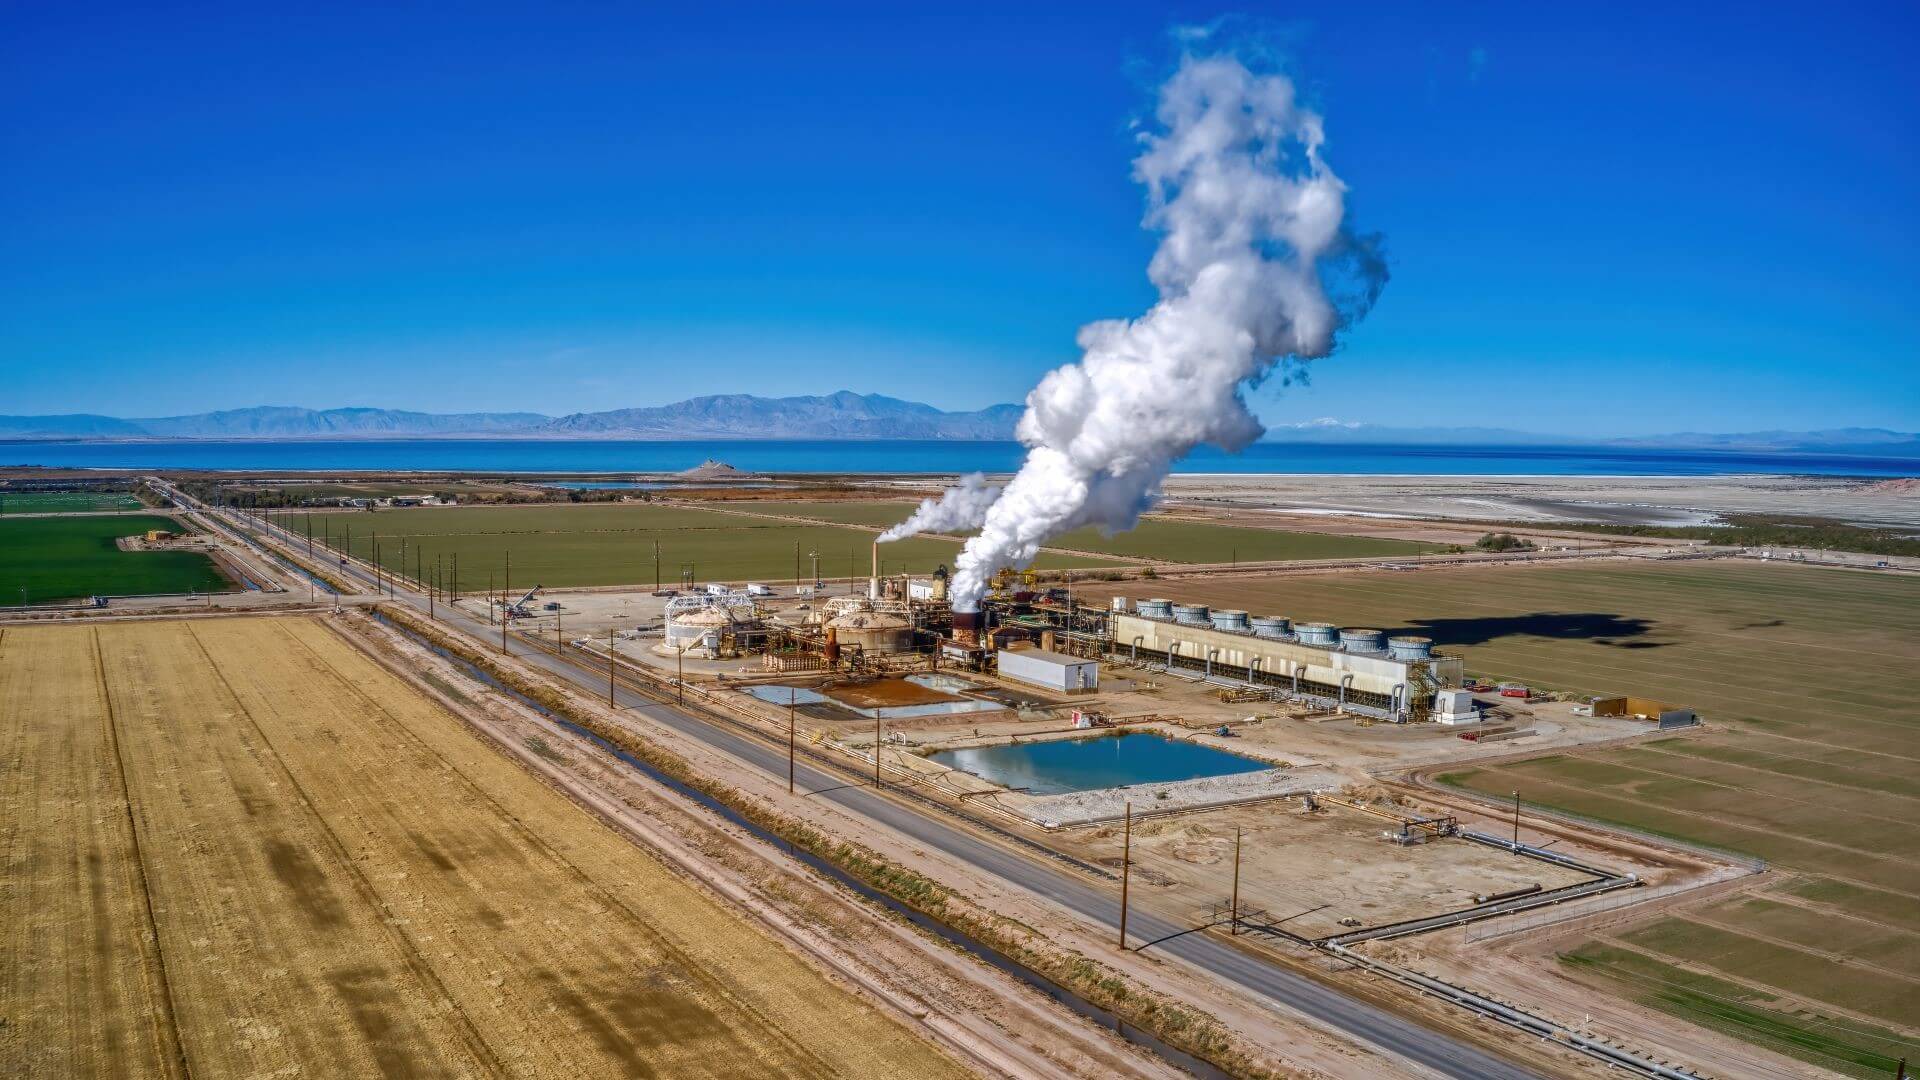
(1051, 670)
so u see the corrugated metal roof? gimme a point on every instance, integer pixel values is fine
(1042, 655)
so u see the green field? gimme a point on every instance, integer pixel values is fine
(1155, 538)
(1845, 1045)
(613, 544)
(62, 558)
(1812, 672)
(65, 502)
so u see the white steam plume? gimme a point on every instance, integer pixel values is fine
(1255, 266)
(961, 508)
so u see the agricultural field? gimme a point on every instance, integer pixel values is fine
(1809, 673)
(240, 848)
(66, 502)
(1155, 538)
(43, 559)
(563, 545)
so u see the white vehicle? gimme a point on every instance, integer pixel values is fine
(757, 589)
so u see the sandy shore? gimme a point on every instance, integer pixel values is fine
(1650, 500)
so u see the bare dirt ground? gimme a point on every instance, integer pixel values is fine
(1307, 871)
(238, 847)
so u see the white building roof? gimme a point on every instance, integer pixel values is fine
(1045, 657)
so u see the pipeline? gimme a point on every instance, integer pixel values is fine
(1510, 894)
(1515, 1017)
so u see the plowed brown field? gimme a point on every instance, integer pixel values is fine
(238, 847)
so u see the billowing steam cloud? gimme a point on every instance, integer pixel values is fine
(1255, 267)
(961, 508)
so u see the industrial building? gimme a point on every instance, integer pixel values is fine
(1356, 669)
(1049, 670)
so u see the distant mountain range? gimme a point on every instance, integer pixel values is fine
(845, 415)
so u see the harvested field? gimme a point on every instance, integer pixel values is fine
(43, 559)
(563, 545)
(1158, 538)
(1812, 673)
(239, 847)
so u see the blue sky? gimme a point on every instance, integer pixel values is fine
(1624, 221)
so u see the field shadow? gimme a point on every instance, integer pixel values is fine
(1599, 627)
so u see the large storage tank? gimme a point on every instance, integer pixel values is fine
(1273, 626)
(1359, 639)
(872, 631)
(1410, 648)
(1229, 620)
(1156, 609)
(1325, 635)
(1191, 614)
(699, 632)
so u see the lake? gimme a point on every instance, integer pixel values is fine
(509, 456)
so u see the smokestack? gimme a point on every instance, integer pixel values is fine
(1256, 264)
(966, 627)
(873, 583)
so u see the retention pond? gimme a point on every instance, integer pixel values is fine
(1060, 766)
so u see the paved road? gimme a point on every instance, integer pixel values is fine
(1393, 1034)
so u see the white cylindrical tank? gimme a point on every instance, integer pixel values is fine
(1273, 626)
(873, 631)
(1325, 635)
(1156, 609)
(1410, 648)
(1191, 614)
(1359, 639)
(1227, 619)
(697, 633)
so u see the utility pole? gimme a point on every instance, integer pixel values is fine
(456, 577)
(656, 566)
(1126, 874)
(1516, 823)
(558, 650)
(506, 588)
(1234, 904)
(792, 696)
(376, 564)
(796, 564)
(680, 674)
(876, 748)
(611, 704)
(489, 598)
